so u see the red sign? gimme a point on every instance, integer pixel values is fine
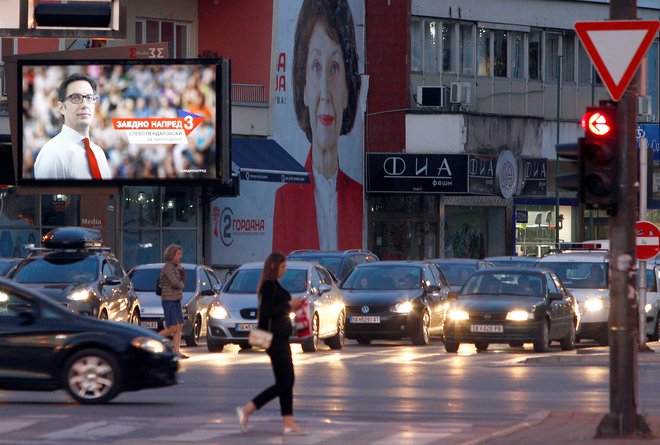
(647, 235)
(616, 48)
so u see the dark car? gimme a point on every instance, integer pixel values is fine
(339, 262)
(201, 290)
(6, 265)
(394, 300)
(458, 270)
(79, 273)
(45, 347)
(512, 261)
(514, 306)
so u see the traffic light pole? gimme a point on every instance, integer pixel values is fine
(623, 419)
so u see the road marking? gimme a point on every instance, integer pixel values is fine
(13, 425)
(412, 438)
(91, 430)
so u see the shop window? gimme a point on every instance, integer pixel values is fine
(500, 52)
(179, 208)
(568, 59)
(141, 206)
(431, 43)
(517, 55)
(60, 210)
(584, 66)
(140, 246)
(448, 48)
(416, 45)
(187, 239)
(466, 50)
(483, 52)
(534, 55)
(551, 56)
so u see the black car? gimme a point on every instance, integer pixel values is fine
(78, 272)
(394, 300)
(6, 265)
(45, 347)
(339, 262)
(514, 306)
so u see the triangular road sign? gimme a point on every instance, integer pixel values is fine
(616, 48)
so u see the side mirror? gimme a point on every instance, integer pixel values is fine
(208, 292)
(433, 288)
(453, 295)
(112, 280)
(25, 311)
(554, 296)
(324, 288)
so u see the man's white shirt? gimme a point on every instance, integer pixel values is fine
(64, 157)
(325, 195)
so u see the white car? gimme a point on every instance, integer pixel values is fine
(585, 274)
(652, 307)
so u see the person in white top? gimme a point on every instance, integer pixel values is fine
(71, 154)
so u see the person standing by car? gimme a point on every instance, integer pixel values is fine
(172, 280)
(275, 305)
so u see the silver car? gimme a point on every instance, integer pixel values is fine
(232, 319)
(202, 289)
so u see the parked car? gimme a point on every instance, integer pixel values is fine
(6, 265)
(202, 289)
(512, 261)
(458, 270)
(232, 319)
(394, 300)
(339, 262)
(45, 347)
(514, 306)
(75, 269)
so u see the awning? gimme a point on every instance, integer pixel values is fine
(265, 160)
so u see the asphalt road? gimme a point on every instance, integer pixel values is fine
(362, 394)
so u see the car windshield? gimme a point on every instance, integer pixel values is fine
(512, 263)
(507, 283)
(383, 278)
(58, 270)
(144, 280)
(330, 263)
(245, 281)
(457, 274)
(579, 275)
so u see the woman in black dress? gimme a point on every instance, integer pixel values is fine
(275, 305)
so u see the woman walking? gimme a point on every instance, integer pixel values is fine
(275, 305)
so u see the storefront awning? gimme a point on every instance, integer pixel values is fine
(265, 160)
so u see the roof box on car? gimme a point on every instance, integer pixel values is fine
(72, 238)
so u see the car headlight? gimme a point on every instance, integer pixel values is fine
(458, 314)
(149, 344)
(593, 304)
(79, 295)
(647, 308)
(218, 312)
(519, 315)
(404, 307)
(184, 310)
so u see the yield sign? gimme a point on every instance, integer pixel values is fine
(616, 48)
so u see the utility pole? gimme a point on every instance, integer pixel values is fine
(623, 419)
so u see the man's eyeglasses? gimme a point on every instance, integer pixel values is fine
(78, 98)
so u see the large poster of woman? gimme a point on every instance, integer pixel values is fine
(326, 213)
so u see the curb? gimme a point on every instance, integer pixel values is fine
(530, 421)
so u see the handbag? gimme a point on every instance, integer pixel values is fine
(260, 338)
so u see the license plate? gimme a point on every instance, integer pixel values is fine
(365, 319)
(149, 324)
(244, 327)
(492, 328)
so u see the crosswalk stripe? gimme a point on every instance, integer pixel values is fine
(91, 430)
(412, 438)
(13, 425)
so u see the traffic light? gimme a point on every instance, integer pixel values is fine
(572, 181)
(599, 156)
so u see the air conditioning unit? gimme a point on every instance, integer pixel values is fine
(644, 105)
(460, 93)
(435, 96)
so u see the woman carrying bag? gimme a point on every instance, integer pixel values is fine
(275, 305)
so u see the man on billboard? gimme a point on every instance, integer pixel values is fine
(325, 214)
(72, 154)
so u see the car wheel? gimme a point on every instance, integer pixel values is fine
(516, 344)
(423, 334)
(543, 342)
(481, 346)
(337, 340)
(311, 343)
(135, 318)
(214, 347)
(363, 341)
(193, 338)
(568, 343)
(92, 376)
(451, 346)
(656, 331)
(245, 346)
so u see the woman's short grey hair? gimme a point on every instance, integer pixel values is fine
(170, 251)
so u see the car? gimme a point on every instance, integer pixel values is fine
(339, 262)
(235, 315)
(652, 306)
(458, 270)
(585, 273)
(512, 261)
(514, 306)
(392, 300)
(75, 269)
(6, 265)
(45, 347)
(201, 290)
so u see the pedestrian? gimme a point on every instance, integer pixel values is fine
(275, 305)
(172, 280)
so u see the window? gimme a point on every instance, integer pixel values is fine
(652, 86)
(584, 66)
(416, 45)
(448, 50)
(500, 52)
(568, 47)
(551, 56)
(430, 46)
(517, 55)
(483, 52)
(534, 55)
(466, 50)
(176, 33)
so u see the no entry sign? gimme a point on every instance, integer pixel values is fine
(647, 235)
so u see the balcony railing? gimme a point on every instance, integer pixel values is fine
(248, 94)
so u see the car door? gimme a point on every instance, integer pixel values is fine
(333, 299)
(560, 310)
(113, 293)
(435, 298)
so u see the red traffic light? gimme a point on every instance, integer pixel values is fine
(597, 123)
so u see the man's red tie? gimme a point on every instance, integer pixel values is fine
(93, 165)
